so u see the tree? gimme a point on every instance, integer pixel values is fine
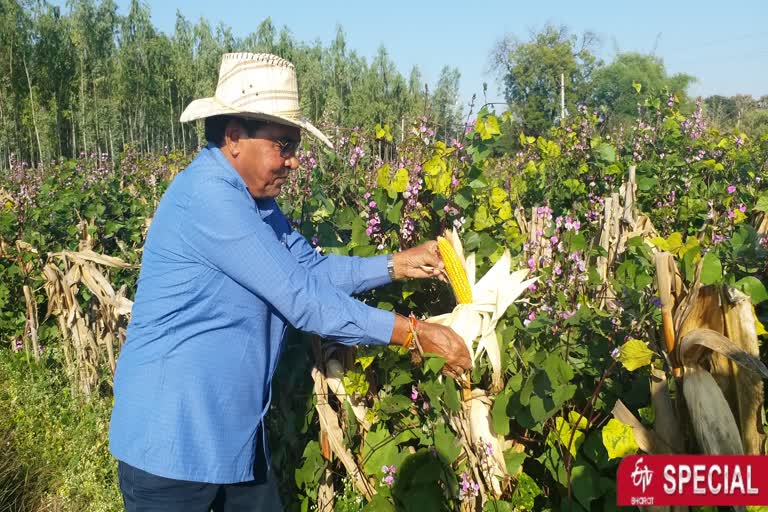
(445, 100)
(721, 111)
(614, 86)
(530, 74)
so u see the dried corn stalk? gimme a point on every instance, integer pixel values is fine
(94, 332)
(711, 342)
(329, 424)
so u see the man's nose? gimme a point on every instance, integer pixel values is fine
(292, 162)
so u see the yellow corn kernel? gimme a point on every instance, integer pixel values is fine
(455, 270)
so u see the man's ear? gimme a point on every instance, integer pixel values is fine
(232, 135)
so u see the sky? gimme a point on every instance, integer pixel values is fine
(723, 44)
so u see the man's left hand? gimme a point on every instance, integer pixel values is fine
(419, 262)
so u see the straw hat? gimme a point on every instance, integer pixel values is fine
(254, 86)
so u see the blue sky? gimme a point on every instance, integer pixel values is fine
(725, 47)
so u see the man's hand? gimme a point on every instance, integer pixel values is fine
(443, 341)
(419, 262)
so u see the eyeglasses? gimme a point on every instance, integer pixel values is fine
(288, 147)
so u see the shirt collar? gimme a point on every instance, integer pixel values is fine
(265, 206)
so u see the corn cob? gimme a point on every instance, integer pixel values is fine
(457, 275)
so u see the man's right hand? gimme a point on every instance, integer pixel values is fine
(443, 341)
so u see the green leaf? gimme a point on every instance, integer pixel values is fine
(505, 212)
(394, 212)
(433, 363)
(434, 391)
(498, 506)
(446, 443)
(712, 270)
(395, 403)
(400, 181)
(399, 377)
(514, 461)
(498, 197)
(487, 127)
(753, 287)
(637, 86)
(463, 197)
(558, 371)
(568, 436)
(563, 393)
(762, 203)
(434, 166)
(383, 179)
(309, 472)
(671, 244)
(364, 361)
(584, 481)
(606, 152)
(451, 396)
(635, 354)
(379, 448)
(646, 183)
(482, 219)
(499, 413)
(647, 414)
(525, 493)
(618, 439)
(379, 503)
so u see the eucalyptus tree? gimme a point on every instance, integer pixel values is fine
(445, 100)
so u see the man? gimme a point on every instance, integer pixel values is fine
(222, 276)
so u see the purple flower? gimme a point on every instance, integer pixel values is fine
(414, 393)
(468, 488)
(731, 189)
(372, 204)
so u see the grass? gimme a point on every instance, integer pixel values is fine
(56, 444)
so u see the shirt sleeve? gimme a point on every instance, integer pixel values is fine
(351, 274)
(224, 230)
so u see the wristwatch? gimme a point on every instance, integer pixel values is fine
(391, 266)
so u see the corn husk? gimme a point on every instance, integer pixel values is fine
(741, 329)
(491, 296)
(711, 417)
(482, 436)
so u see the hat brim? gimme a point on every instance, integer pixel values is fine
(208, 107)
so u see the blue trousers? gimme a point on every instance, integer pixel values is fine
(145, 492)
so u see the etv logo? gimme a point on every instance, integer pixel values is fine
(641, 477)
(692, 480)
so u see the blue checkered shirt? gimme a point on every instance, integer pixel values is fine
(222, 275)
